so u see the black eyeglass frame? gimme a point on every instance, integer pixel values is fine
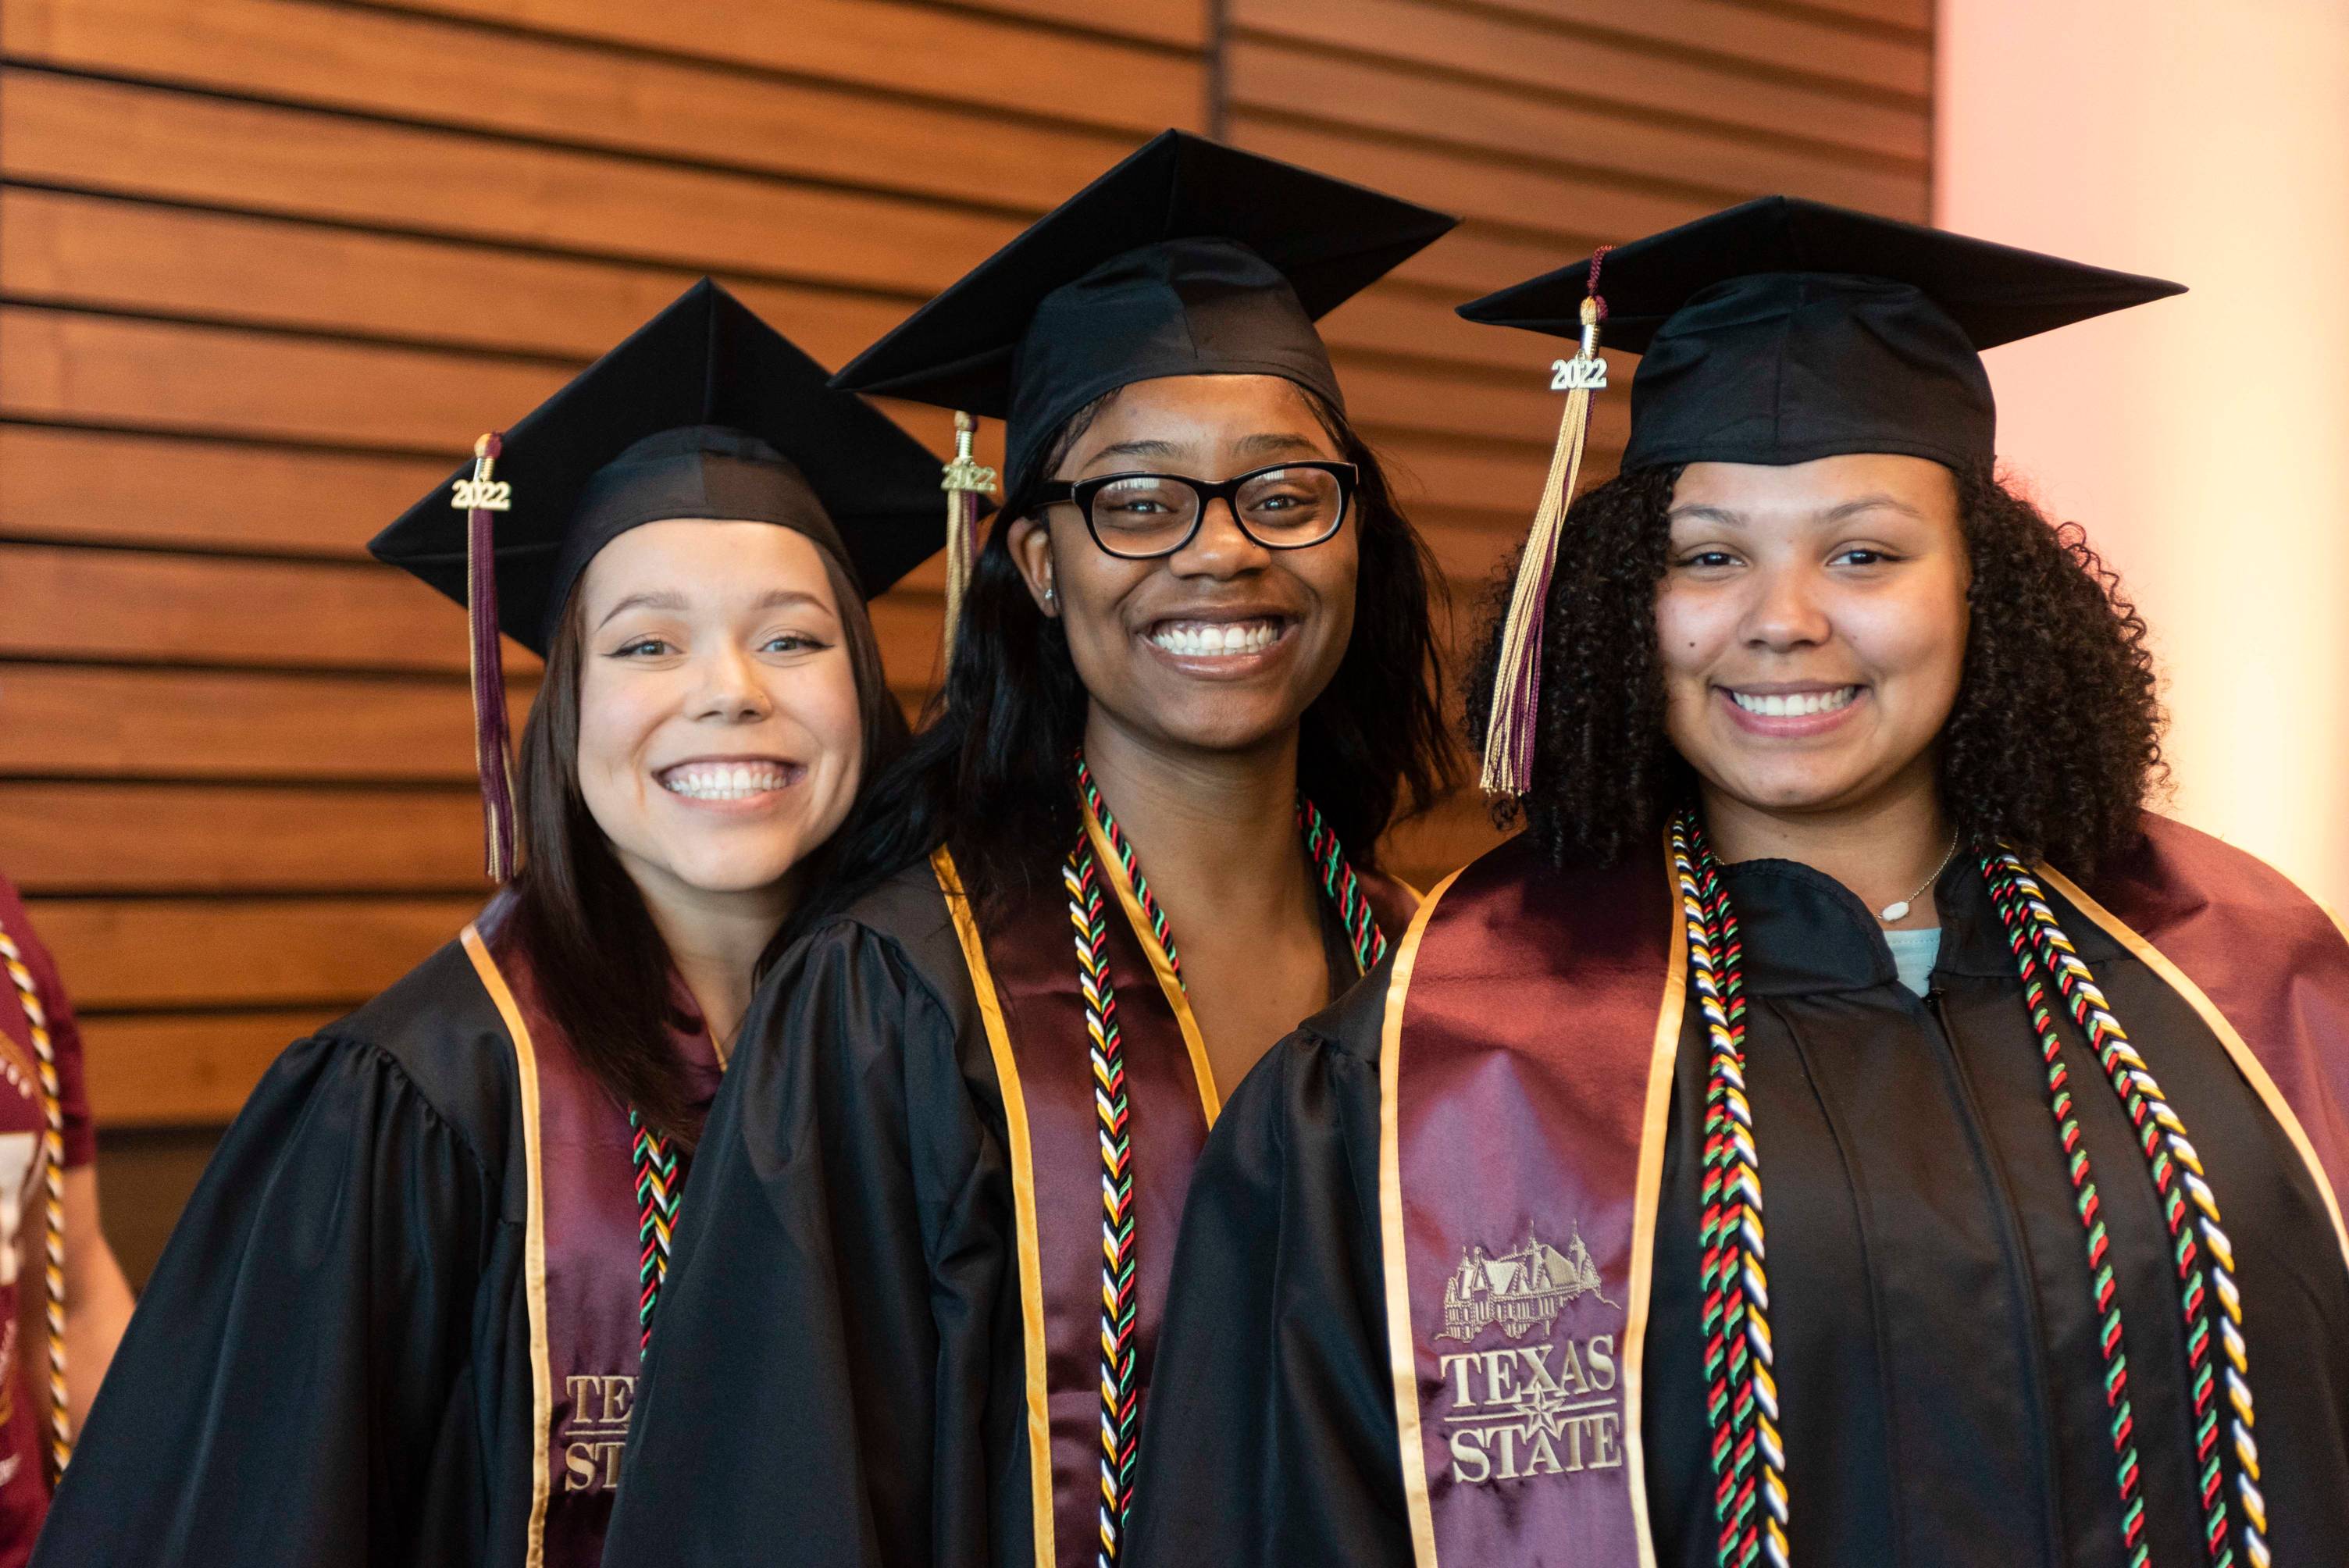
(1081, 493)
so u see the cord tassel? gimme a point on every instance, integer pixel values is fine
(1517, 684)
(481, 497)
(965, 481)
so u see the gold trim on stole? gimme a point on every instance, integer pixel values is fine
(1023, 1199)
(1403, 1350)
(2245, 1061)
(1203, 1073)
(534, 1246)
(1647, 1198)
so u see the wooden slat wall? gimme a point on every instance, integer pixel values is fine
(267, 266)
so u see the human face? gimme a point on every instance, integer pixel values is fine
(719, 730)
(1811, 623)
(1136, 627)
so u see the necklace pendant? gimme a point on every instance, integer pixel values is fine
(1892, 911)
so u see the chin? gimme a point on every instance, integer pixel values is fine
(720, 869)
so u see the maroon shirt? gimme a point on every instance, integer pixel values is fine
(23, 1486)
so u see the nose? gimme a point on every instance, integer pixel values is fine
(1787, 610)
(1220, 548)
(729, 690)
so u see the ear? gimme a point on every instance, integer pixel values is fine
(1031, 551)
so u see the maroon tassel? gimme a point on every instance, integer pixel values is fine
(483, 497)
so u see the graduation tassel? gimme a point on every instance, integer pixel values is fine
(1517, 684)
(479, 497)
(966, 479)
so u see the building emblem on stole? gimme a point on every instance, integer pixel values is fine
(1541, 1402)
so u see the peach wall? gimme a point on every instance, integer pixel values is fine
(2204, 441)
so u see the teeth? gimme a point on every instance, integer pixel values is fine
(724, 781)
(1798, 704)
(1215, 638)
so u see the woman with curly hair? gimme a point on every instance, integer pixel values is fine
(1836, 890)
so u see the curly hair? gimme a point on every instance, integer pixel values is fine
(2051, 747)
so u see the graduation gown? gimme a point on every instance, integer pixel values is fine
(879, 1343)
(1938, 1359)
(396, 1323)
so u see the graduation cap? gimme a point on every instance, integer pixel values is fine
(1189, 258)
(705, 411)
(1779, 331)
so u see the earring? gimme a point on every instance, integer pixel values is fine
(1052, 594)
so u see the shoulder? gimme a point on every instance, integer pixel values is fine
(2171, 872)
(438, 1030)
(898, 933)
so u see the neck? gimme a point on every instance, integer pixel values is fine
(1214, 830)
(1882, 848)
(714, 940)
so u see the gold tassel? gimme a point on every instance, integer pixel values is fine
(1517, 684)
(965, 481)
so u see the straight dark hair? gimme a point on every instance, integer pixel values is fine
(601, 968)
(988, 776)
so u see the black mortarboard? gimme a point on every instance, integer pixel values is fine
(1784, 330)
(1779, 331)
(705, 411)
(1189, 258)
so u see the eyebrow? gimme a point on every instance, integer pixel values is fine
(1706, 514)
(664, 601)
(1139, 448)
(1870, 503)
(1273, 441)
(674, 600)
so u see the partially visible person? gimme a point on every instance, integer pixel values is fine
(63, 1299)
(401, 1321)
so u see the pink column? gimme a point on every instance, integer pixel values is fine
(2204, 441)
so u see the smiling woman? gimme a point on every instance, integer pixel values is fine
(403, 1317)
(1828, 724)
(1192, 681)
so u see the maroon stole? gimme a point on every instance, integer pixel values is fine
(1526, 1072)
(579, 1257)
(1023, 970)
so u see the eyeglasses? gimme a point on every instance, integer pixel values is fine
(1140, 517)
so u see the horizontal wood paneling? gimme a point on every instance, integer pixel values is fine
(182, 147)
(121, 838)
(158, 954)
(429, 71)
(910, 49)
(68, 721)
(106, 487)
(1481, 43)
(183, 1070)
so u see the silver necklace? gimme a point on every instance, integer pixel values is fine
(1899, 908)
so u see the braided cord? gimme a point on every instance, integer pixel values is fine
(659, 1187)
(1121, 1383)
(1741, 1395)
(1343, 888)
(2102, 1287)
(1121, 1303)
(2204, 1256)
(53, 1152)
(1091, 794)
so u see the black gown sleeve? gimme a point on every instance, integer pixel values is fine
(827, 1383)
(1269, 1434)
(294, 1388)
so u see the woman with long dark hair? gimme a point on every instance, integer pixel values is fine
(1837, 903)
(912, 1317)
(401, 1321)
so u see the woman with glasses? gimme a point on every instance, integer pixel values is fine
(1846, 1129)
(912, 1321)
